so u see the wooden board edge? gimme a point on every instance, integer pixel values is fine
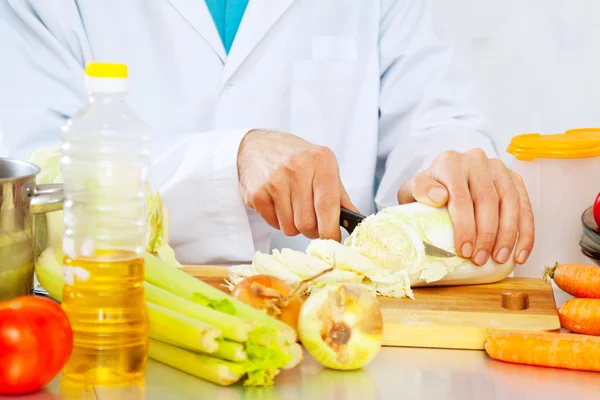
(207, 271)
(447, 337)
(403, 317)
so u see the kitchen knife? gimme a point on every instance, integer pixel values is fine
(349, 220)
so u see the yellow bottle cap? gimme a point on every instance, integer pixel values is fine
(106, 70)
(575, 143)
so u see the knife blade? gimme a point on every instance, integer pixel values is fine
(349, 220)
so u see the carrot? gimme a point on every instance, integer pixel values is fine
(581, 316)
(546, 349)
(576, 279)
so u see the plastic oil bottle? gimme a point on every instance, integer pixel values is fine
(104, 165)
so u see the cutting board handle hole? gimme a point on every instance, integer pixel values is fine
(515, 300)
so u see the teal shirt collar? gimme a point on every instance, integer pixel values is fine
(227, 15)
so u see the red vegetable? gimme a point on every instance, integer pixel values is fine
(596, 210)
(36, 341)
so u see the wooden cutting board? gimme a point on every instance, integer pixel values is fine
(458, 317)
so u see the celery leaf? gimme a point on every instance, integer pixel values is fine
(222, 305)
(266, 357)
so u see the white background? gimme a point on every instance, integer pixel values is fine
(537, 62)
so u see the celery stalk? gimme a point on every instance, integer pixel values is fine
(202, 366)
(160, 274)
(270, 344)
(295, 351)
(269, 348)
(233, 328)
(179, 329)
(228, 350)
(231, 351)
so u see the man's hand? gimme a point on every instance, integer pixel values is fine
(488, 204)
(293, 184)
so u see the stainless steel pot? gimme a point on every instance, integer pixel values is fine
(20, 200)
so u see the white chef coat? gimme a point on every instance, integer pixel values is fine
(368, 78)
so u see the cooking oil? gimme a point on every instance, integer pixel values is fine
(104, 299)
(104, 165)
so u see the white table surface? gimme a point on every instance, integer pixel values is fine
(396, 373)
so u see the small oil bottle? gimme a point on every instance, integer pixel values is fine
(104, 165)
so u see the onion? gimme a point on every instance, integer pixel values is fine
(270, 294)
(341, 326)
(274, 296)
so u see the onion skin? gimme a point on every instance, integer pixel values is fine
(341, 326)
(285, 308)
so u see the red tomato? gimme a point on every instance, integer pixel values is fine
(36, 341)
(597, 210)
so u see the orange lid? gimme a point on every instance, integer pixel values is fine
(574, 143)
(584, 131)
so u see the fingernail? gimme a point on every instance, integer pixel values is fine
(502, 255)
(466, 250)
(437, 194)
(523, 256)
(480, 257)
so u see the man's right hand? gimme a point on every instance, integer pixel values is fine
(293, 184)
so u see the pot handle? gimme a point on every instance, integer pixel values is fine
(47, 198)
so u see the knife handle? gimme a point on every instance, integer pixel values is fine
(349, 220)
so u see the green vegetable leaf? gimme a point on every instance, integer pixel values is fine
(154, 217)
(222, 305)
(266, 357)
(48, 159)
(40, 234)
(166, 252)
(393, 239)
(48, 270)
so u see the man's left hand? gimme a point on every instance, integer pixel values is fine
(488, 204)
